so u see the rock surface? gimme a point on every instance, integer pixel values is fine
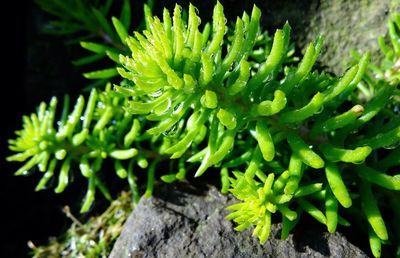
(183, 221)
(346, 25)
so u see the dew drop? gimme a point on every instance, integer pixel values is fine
(156, 94)
(163, 107)
(49, 184)
(100, 104)
(358, 162)
(70, 118)
(171, 132)
(28, 172)
(231, 68)
(178, 108)
(392, 146)
(196, 11)
(319, 110)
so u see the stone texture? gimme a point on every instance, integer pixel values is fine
(346, 25)
(183, 221)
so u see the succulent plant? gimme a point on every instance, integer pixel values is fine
(285, 137)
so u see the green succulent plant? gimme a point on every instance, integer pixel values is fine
(86, 136)
(288, 117)
(286, 138)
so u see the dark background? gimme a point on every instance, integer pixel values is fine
(34, 67)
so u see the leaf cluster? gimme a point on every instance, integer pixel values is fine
(90, 134)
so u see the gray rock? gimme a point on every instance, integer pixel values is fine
(183, 221)
(346, 25)
(349, 25)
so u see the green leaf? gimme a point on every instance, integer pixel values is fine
(96, 48)
(125, 16)
(88, 59)
(105, 25)
(101, 74)
(120, 28)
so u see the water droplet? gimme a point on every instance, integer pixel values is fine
(70, 118)
(196, 11)
(101, 105)
(178, 108)
(50, 184)
(163, 107)
(178, 8)
(319, 110)
(156, 94)
(171, 132)
(392, 146)
(25, 173)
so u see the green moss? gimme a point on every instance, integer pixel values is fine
(92, 238)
